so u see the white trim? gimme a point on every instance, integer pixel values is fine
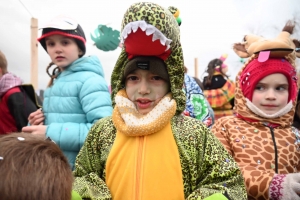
(260, 113)
(136, 119)
(148, 29)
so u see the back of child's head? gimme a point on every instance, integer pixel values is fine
(33, 168)
(3, 63)
(65, 26)
(213, 65)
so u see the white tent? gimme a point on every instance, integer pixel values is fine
(208, 30)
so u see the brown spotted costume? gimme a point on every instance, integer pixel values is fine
(264, 148)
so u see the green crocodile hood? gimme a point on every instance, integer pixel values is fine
(151, 30)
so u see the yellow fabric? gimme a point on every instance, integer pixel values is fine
(145, 167)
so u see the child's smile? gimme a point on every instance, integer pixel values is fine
(143, 103)
(145, 89)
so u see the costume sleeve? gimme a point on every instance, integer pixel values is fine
(20, 109)
(218, 172)
(254, 178)
(96, 104)
(89, 168)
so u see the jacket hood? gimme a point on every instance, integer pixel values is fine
(89, 63)
(244, 112)
(150, 30)
(8, 81)
(261, 49)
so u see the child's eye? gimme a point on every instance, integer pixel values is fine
(50, 44)
(65, 42)
(157, 78)
(132, 78)
(259, 87)
(281, 88)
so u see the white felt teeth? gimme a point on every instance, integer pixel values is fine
(149, 29)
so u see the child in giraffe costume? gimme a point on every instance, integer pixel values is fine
(260, 137)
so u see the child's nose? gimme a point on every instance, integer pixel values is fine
(58, 48)
(144, 89)
(271, 94)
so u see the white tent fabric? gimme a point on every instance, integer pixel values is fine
(208, 30)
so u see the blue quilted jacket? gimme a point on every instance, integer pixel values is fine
(77, 99)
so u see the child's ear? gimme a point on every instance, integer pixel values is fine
(80, 52)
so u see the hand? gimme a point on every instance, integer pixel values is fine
(285, 187)
(35, 130)
(36, 118)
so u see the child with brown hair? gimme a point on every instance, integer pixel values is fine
(261, 137)
(77, 95)
(218, 88)
(33, 168)
(147, 149)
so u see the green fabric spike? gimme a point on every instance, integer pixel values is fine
(217, 196)
(75, 196)
(178, 19)
(106, 38)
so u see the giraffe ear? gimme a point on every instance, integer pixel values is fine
(240, 50)
(244, 49)
(297, 47)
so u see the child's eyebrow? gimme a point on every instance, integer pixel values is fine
(277, 84)
(283, 84)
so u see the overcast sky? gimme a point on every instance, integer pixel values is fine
(208, 30)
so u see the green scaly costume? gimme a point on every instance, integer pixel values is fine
(207, 168)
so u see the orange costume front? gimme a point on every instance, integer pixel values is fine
(265, 148)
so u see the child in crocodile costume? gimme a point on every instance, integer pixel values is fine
(147, 149)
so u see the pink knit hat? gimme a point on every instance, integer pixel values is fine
(255, 71)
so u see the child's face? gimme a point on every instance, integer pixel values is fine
(271, 93)
(62, 50)
(145, 89)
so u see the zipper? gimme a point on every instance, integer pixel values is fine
(275, 148)
(139, 165)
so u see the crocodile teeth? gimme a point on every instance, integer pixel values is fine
(148, 29)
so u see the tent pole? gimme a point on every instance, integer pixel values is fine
(34, 53)
(196, 67)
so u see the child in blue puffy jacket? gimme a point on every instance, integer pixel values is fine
(77, 95)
